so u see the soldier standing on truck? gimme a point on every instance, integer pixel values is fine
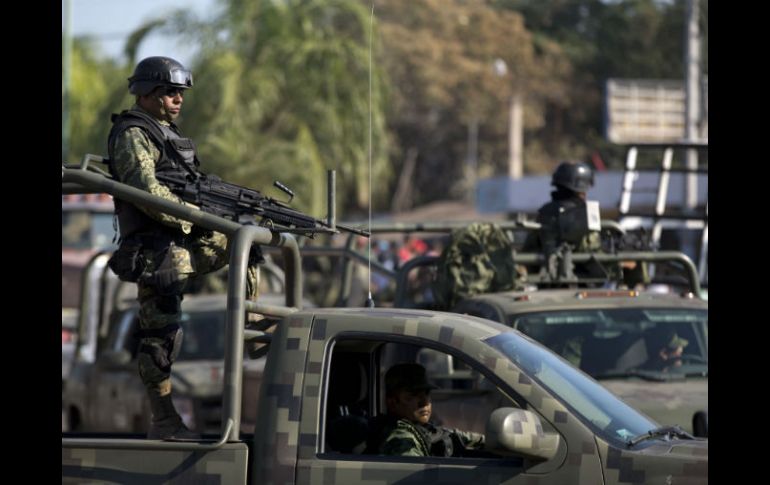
(569, 219)
(406, 430)
(159, 252)
(563, 218)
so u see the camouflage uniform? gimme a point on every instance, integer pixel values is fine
(172, 250)
(395, 435)
(478, 259)
(405, 438)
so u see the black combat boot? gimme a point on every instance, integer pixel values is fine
(166, 422)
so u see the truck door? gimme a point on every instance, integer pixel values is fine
(470, 391)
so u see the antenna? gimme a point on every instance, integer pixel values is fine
(370, 300)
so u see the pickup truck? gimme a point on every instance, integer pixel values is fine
(323, 384)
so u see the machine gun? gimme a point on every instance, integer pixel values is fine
(238, 204)
(244, 205)
(615, 239)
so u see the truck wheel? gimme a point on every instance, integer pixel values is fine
(700, 424)
(73, 419)
(140, 425)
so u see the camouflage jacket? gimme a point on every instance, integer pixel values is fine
(405, 438)
(133, 162)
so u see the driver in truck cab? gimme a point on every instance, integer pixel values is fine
(406, 429)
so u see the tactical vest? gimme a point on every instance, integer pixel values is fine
(177, 155)
(564, 220)
(428, 438)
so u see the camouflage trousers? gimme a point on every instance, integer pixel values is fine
(168, 272)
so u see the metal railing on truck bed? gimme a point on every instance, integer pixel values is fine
(85, 179)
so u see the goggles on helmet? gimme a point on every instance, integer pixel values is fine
(179, 76)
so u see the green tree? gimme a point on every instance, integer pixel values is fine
(605, 39)
(440, 57)
(282, 93)
(92, 91)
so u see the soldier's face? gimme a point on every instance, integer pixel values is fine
(165, 103)
(412, 405)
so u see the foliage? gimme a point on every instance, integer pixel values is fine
(441, 58)
(284, 95)
(282, 88)
(641, 39)
(92, 88)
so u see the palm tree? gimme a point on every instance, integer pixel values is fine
(282, 93)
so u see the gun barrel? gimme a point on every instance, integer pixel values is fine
(354, 230)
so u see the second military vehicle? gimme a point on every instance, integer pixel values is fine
(614, 335)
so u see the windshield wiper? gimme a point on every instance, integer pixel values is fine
(647, 375)
(704, 373)
(667, 431)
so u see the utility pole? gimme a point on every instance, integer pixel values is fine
(66, 77)
(515, 126)
(472, 161)
(692, 98)
(515, 138)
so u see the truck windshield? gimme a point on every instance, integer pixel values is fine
(652, 343)
(598, 408)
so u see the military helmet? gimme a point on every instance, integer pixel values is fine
(577, 177)
(411, 377)
(158, 71)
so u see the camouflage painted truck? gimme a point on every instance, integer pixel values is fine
(543, 420)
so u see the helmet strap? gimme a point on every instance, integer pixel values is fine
(162, 107)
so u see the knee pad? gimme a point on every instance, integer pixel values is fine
(162, 345)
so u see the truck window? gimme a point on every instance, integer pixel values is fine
(465, 398)
(348, 402)
(597, 407)
(356, 402)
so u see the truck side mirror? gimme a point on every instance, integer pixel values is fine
(116, 358)
(512, 430)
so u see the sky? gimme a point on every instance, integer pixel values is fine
(111, 21)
